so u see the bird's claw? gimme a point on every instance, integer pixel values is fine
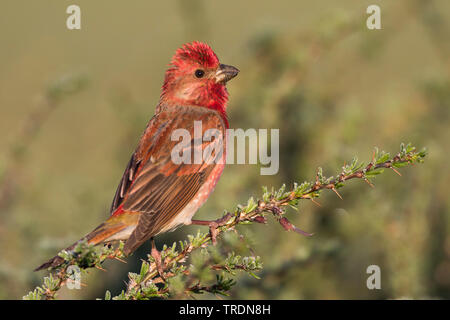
(214, 225)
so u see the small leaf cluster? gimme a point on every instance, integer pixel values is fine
(50, 285)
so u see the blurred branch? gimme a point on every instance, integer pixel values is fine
(55, 94)
(149, 283)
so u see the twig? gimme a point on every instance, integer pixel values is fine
(144, 285)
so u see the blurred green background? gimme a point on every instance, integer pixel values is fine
(74, 103)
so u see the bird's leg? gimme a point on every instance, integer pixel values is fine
(213, 225)
(157, 256)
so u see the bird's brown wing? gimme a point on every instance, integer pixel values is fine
(153, 184)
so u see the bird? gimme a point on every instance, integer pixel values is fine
(157, 194)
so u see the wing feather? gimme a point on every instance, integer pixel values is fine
(152, 183)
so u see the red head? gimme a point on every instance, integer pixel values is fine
(196, 77)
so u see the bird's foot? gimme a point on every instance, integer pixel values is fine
(213, 225)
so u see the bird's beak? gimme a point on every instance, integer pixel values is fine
(225, 73)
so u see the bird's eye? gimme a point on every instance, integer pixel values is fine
(199, 73)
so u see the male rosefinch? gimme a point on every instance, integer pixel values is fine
(157, 194)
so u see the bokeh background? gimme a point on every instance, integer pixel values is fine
(74, 103)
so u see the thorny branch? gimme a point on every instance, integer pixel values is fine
(149, 283)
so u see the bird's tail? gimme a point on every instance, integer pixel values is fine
(110, 230)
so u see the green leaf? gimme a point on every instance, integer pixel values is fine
(400, 164)
(373, 173)
(383, 157)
